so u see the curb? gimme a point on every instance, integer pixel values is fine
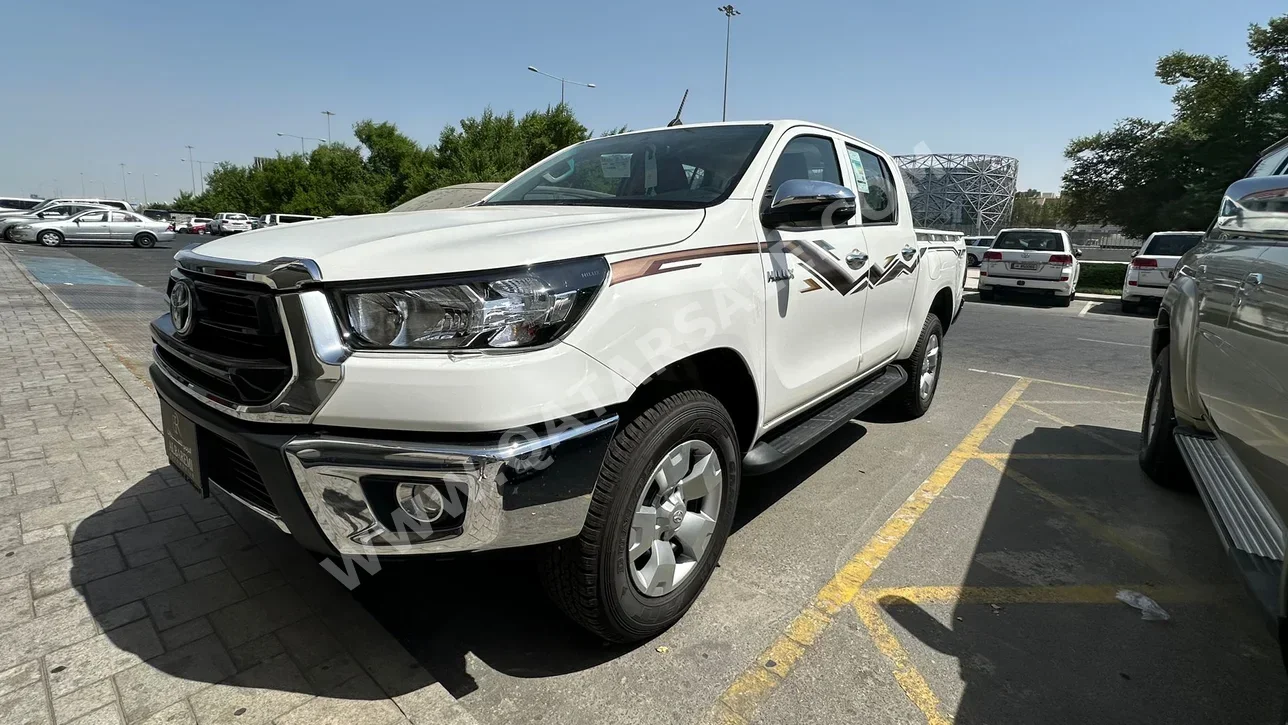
(139, 394)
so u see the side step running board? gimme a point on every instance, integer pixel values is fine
(792, 438)
(1248, 527)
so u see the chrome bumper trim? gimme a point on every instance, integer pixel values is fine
(266, 514)
(517, 494)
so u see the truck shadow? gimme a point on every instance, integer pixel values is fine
(1036, 655)
(244, 601)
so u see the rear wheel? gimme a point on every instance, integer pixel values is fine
(658, 520)
(972, 260)
(50, 238)
(914, 398)
(145, 240)
(1130, 307)
(1159, 457)
(987, 294)
(1063, 300)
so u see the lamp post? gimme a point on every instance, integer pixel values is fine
(729, 12)
(328, 115)
(124, 187)
(302, 139)
(82, 175)
(143, 176)
(190, 170)
(201, 165)
(562, 82)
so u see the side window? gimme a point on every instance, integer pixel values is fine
(806, 157)
(120, 216)
(94, 216)
(878, 195)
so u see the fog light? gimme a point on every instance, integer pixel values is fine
(421, 501)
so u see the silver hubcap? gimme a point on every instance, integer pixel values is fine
(930, 367)
(675, 518)
(49, 238)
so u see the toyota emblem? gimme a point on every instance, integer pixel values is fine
(181, 307)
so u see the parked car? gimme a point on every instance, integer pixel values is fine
(784, 317)
(96, 225)
(227, 222)
(114, 203)
(272, 220)
(52, 213)
(1216, 413)
(1035, 261)
(19, 203)
(975, 248)
(195, 225)
(1150, 271)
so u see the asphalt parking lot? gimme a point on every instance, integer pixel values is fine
(960, 568)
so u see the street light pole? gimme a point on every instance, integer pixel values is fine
(562, 82)
(82, 175)
(302, 139)
(124, 187)
(191, 170)
(729, 12)
(328, 115)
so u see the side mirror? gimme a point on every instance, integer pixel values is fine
(810, 203)
(1256, 207)
(1077, 252)
(1134, 252)
(40, 214)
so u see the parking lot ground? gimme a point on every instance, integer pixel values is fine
(962, 566)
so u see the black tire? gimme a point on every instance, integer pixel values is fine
(50, 238)
(987, 295)
(1130, 308)
(1159, 457)
(145, 240)
(972, 260)
(588, 577)
(908, 402)
(1062, 301)
(8, 234)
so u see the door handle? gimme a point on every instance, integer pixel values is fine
(909, 252)
(856, 259)
(1253, 280)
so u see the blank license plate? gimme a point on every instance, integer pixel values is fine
(181, 445)
(1025, 265)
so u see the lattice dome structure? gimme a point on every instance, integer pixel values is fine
(973, 193)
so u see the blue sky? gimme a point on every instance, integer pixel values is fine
(134, 84)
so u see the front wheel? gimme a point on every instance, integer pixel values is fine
(914, 398)
(50, 238)
(658, 520)
(1159, 457)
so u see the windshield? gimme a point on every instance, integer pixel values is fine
(1032, 241)
(1172, 245)
(683, 168)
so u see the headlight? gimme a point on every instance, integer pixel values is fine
(22, 227)
(509, 309)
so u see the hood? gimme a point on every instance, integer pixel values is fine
(457, 240)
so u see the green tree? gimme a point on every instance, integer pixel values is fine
(1031, 210)
(1150, 175)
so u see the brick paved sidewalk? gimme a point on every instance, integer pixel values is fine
(125, 597)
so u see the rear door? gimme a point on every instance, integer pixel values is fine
(123, 226)
(91, 226)
(895, 255)
(1037, 254)
(1157, 260)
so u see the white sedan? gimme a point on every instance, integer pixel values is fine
(1153, 264)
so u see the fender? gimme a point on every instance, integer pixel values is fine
(1177, 326)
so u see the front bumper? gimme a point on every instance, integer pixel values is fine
(333, 489)
(23, 235)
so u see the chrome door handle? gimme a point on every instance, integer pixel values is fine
(1254, 279)
(856, 259)
(909, 252)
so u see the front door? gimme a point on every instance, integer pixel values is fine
(89, 227)
(895, 256)
(814, 305)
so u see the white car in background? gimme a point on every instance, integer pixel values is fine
(227, 222)
(975, 249)
(1037, 261)
(1153, 264)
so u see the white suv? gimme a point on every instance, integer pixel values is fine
(595, 355)
(226, 222)
(1152, 266)
(1038, 261)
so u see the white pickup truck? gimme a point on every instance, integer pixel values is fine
(592, 358)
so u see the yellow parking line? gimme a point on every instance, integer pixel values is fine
(905, 673)
(1082, 402)
(739, 702)
(1053, 594)
(1057, 456)
(1080, 429)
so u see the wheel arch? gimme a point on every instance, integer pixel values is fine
(942, 307)
(722, 372)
